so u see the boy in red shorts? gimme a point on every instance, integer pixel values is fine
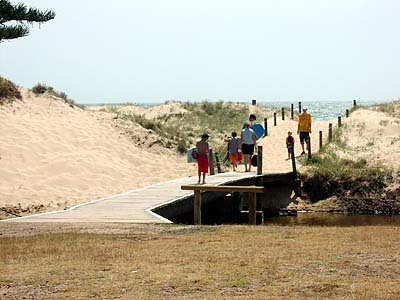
(202, 157)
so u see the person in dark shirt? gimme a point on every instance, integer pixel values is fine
(252, 118)
(289, 143)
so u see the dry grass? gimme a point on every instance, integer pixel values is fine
(225, 262)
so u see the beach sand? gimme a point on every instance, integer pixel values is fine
(54, 156)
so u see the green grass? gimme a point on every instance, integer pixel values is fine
(333, 167)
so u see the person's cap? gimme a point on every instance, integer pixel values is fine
(205, 135)
(305, 108)
(252, 117)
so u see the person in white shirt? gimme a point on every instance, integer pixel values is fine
(247, 140)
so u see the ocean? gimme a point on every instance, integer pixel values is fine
(320, 110)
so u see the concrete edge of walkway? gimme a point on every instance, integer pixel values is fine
(190, 194)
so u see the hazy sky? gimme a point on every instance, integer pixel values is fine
(157, 50)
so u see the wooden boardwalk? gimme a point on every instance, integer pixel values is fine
(133, 206)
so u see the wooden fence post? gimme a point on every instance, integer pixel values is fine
(197, 208)
(320, 140)
(252, 208)
(283, 114)
(211, 162)
(292, 111)
(259, 160)
(253, 102)
(265, 127)
(347, 113)
(218, 163)
(354, 102)
(293, 161)
(274, 118)
(339, 121)
(299, 107)
(330, 133)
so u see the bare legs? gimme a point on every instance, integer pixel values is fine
(234, 165)
(204, 177)
(247, 162)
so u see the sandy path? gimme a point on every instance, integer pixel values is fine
(274, 145)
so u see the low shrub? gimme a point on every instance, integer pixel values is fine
(8, 91)
(39, 89)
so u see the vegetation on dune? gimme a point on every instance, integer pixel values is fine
(391, 108)
(361, 188)
(23, 16)
(184, 129)
(8, 91)
(42, 89)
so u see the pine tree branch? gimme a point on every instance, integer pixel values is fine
(21, 14)
(13, 32)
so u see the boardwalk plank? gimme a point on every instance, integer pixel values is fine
(133, 206)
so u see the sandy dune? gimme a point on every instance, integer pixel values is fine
(58, 156)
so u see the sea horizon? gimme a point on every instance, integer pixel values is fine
(320, 110)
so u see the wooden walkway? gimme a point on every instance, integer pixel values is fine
(133, 206)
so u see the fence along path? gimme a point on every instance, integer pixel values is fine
(133, 206)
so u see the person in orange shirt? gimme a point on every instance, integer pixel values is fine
(304, 128)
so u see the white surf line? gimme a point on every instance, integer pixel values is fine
(95, 201)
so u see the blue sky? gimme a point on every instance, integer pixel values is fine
(157, 50)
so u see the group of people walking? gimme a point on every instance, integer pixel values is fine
(245, 144)
(236, 146)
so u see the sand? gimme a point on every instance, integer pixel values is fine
(54, 156)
